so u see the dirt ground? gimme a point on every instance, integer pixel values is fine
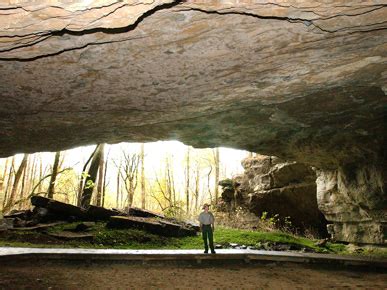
(57, 275)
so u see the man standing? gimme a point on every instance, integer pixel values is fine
(207, 220)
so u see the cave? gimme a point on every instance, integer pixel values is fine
(302, 80)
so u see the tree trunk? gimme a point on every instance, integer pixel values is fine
(104, 179)
(82, 180)
(216, 175)
(142, 157)
(187, 173)
(16, 182)
(40, 173)
(197, 179)
(122, 190)
(100, 175)
(51, 187)
(30, 181)
(2, 181)
(118, 187)
(88, 187)
(9, 181)
(23, 183)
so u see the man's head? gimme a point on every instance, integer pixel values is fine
(206, 207)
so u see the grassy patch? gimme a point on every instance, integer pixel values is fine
(136, 239)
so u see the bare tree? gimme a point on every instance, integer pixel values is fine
(3, 184)
(2, 179)
(31, 179)
(129, 174)
(104, 179)
(142, 157)
(166, 197)
(118, 184)
(100, 175)
(197, 186)
(24, 181)
(170, 181)
(55, 167)
(216, 161)
(40, 172)
(9, 181)
(187, 178)
(208, 180)
(18, 176)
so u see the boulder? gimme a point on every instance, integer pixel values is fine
(138, 212)
(21, 214)
(354, 200)
(276, 187)
(84, 226)
(57, 210)
(40, 201)
(100, 213)
(151, 225)
(6, 224)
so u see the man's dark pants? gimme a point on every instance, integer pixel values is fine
(207, 234)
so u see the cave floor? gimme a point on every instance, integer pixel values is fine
(37, 268)
(59, 275)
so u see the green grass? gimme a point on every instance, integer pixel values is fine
(136, 239)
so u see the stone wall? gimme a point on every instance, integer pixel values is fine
(354, 199)
(275, 186)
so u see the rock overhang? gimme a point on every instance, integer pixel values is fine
(298, 80)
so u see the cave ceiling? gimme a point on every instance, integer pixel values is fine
(303, 80)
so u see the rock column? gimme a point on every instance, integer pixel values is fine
(353, 199)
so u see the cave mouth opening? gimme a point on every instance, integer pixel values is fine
(86, 186)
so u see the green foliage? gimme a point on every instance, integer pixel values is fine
(136, 239)
(227, 183)
(276, 222)
(89, 184)
(85, 174)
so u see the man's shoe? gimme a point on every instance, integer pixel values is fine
(205, 252)
(213, 252)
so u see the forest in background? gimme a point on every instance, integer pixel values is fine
(167, 177)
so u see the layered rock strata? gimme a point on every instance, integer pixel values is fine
(354, 199)
(303, 80)
(273, 187)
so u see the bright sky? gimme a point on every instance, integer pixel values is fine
(155, 155)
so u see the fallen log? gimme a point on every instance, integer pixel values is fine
(151, 225)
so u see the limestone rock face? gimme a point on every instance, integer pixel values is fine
(280, 78)
(354, 200)
(275, 186)
(302, 80)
